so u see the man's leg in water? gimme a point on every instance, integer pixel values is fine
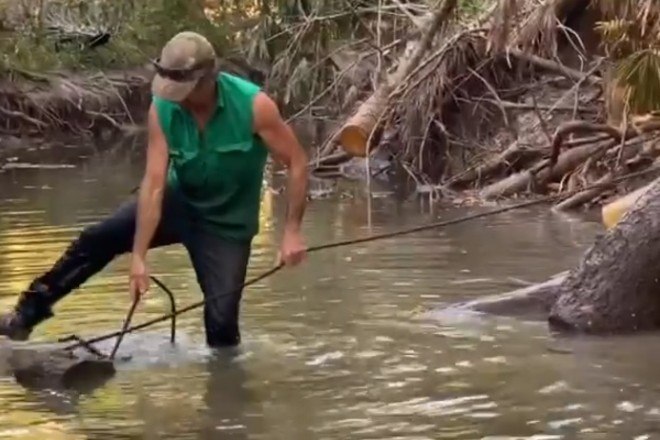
(220, 266)
(91, 251)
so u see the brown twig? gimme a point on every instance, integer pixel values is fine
(323, 93)
(523, 106)
(553, 66)
(544, 126)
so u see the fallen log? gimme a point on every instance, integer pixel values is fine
(354, 134)
(512, 154)
(491, 166)
(331, 160)
(615, 287)
(555, 67)
(579, 126)
(588, 195)
(50, 366)
(542, 173)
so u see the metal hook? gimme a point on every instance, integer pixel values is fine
(170, 295)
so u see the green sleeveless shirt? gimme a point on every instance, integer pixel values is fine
(218, 171)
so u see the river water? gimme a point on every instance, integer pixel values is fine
(339, 348)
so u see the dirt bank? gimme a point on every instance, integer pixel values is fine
(64, 104)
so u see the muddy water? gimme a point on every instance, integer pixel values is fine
(338, 349)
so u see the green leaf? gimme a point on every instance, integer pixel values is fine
(640, 74)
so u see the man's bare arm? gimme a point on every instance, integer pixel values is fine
(152, 188)
(284, 146)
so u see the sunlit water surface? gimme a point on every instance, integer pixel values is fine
(340, 348)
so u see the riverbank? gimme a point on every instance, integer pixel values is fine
(506, 102)
(526, 100)
(81, 69)
(89, 104)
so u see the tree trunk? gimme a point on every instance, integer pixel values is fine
(616, 286)
(613, 211)
(354, 134)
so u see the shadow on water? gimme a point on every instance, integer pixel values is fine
(225, 417)
(334, 349)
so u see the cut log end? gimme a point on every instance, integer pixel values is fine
(354, 140)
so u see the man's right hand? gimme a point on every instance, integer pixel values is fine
(138, 278)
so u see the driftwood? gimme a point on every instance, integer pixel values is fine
(625, 154)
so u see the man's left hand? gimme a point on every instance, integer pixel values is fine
(292, 250)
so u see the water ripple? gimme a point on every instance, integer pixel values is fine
(332, 350)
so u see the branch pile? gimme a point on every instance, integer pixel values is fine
(521, 104)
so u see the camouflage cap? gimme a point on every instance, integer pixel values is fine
(186, 58)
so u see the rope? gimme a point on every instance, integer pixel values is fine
(126, 329)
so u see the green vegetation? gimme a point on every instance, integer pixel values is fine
(57, 35)
(294, 38)
(631, 33)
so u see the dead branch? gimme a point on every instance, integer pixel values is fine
(576, 127)
(554, 66)
(541, 174)
(509, 105)
(583, 197)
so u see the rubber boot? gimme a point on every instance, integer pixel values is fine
(32, 308)
(35, 304)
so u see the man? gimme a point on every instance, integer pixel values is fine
(209, 136)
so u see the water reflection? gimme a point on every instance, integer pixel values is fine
(334, 349)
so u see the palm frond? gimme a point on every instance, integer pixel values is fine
(639, 73)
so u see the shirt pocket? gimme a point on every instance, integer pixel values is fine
(190, 169)
(234, 147)
(230, 164)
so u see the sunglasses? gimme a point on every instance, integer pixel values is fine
(180, 75)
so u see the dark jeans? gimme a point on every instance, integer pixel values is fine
(220, 265)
